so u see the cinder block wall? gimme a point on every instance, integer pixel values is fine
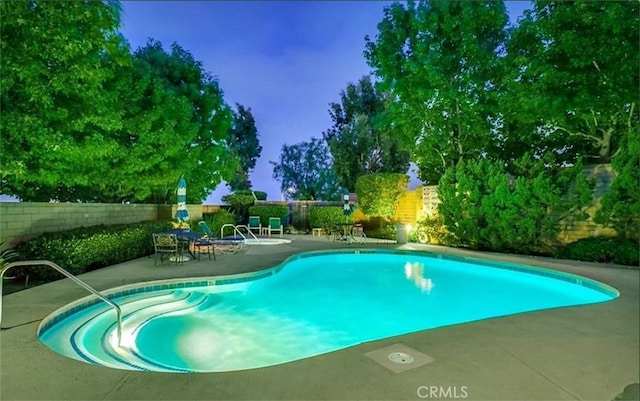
(572, 231)
(23, 220)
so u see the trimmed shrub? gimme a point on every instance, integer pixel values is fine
(621, 204)
(87, 248)
(616, 250)
(378, 194)
(266, 211)
(328, 216)
(386, 230)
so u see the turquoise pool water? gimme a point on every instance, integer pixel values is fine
(312, 304)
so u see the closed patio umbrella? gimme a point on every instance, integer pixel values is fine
(181, 213)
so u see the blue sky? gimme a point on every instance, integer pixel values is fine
(285, 60)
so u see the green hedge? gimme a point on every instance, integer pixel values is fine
(604, 250)
(87, 248)
(216, 220)
(327, 216)
(266, 211)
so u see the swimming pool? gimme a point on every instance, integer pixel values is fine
(313, 303)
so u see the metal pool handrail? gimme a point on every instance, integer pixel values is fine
(73, 278)
(248, 231)
(237, 231)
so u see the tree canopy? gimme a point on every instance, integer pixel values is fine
(243, 138)
(85, 119)
(305, 172)
(56, 119)
(440, 62)
(358, 140)
(572, 83)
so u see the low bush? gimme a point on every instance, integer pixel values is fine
(216, 220)
(87, 248)
(328, 216)
(384, 231)
(266, 211)
(603, 249)
(431, 230)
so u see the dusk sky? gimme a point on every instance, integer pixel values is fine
(286, 60)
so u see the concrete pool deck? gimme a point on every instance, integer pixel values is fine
(575, 353)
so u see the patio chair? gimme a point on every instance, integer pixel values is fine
(275, 225)
(166, 245)
(207, 241)
(254, 224)
(357, 233)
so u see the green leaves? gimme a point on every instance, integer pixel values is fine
(573, 75)
(440, 63)
(361, 141)
(485, 207)
(243, 139)
(378, 194)
(305, 172)
(85, 120)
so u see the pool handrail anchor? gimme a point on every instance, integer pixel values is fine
(68, 275)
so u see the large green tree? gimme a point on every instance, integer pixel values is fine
(243, 138)
(57, 119)
(305, 172)
(573, 78)
(358, 140)
(441, 63)
(176, 123)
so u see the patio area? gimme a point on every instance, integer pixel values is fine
(576, 353)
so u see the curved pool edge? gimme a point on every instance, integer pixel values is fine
(185, 282)
(523, 266)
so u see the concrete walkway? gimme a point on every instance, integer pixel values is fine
(576, 353)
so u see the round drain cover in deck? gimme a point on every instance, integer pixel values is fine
(400, 357)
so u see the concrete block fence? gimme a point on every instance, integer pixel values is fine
(20, 221)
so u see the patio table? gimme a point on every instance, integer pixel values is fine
(186, 238)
